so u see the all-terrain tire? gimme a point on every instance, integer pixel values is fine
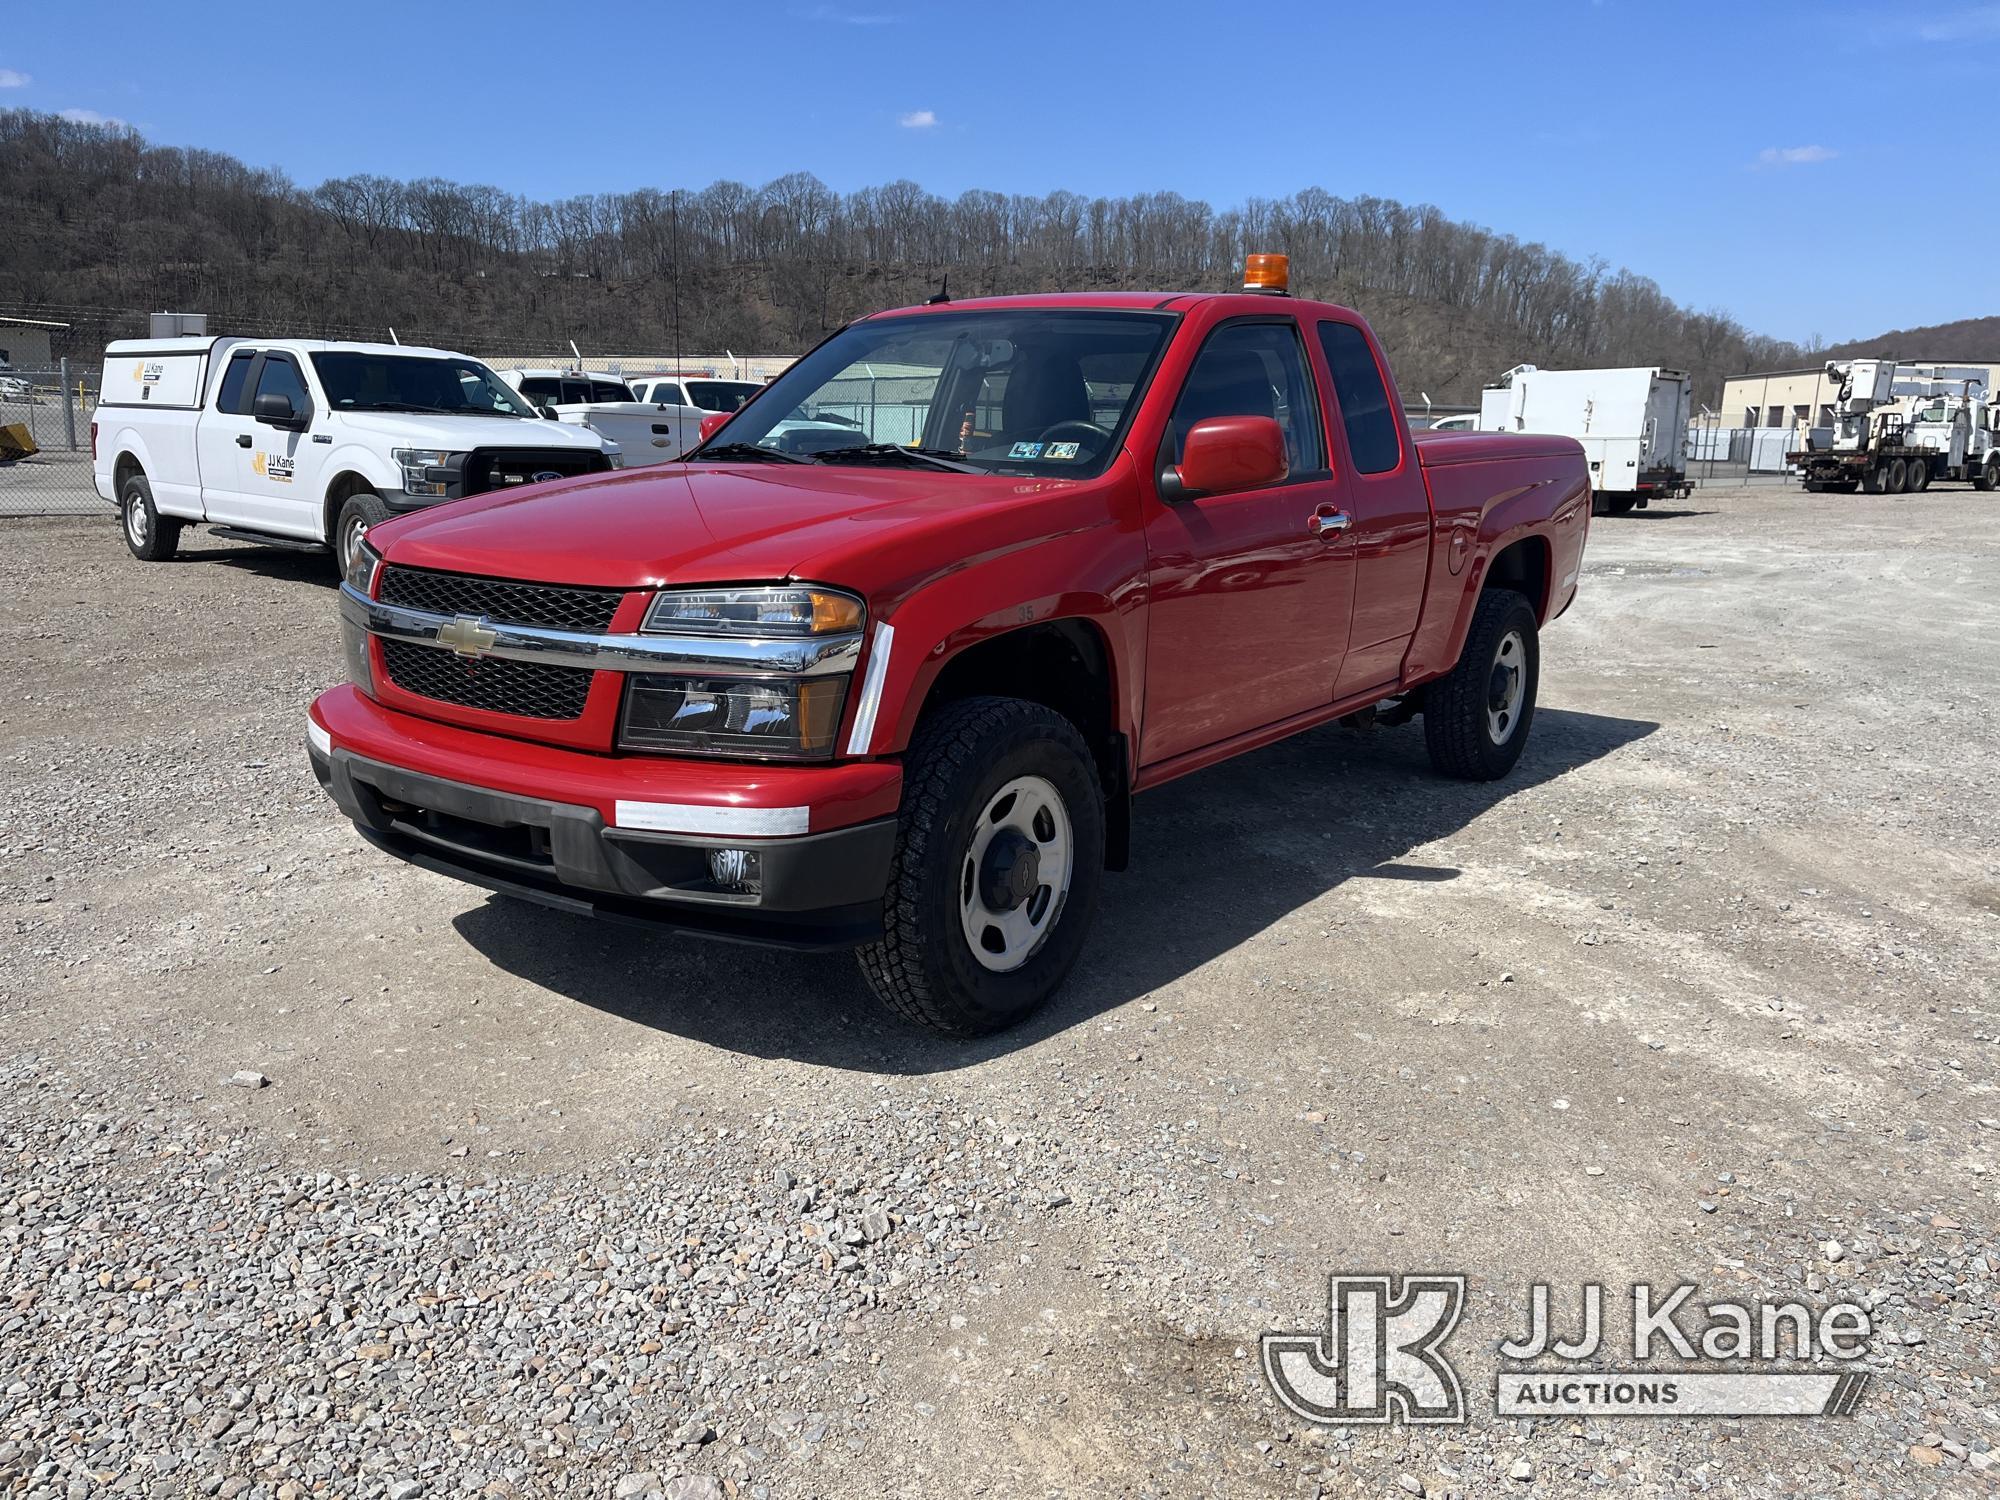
(151, 536)
(358, 512)
(1460, 708)
(924, 967)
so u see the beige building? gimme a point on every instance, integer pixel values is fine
(1788, 398)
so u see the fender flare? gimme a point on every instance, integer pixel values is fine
(354, 458)
(915, 642)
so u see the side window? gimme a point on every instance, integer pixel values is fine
(281, 378)
(540, 390)
(1254, 370)
(1372, 435)
(669, 395)
(230, 397)
(609, 390)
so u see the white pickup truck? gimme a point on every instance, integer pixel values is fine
(652, 431)
(305, 444)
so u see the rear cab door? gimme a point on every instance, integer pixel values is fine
(1390, 537)
(225, 431)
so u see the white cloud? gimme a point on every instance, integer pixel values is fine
(10, 79)
(917, 119)
(1980, 24)
(1794, 156)
(92, 117)
(842, 17)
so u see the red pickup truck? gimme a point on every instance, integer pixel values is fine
(883, 662)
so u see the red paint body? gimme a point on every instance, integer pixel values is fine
(1227, 620)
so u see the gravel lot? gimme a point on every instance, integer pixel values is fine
(529, 1206)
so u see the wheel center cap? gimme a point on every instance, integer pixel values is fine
(1011, 870)
(1501, 689)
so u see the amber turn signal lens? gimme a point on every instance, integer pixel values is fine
(835, 614)
(1267, 273)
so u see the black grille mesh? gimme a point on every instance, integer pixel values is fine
(501, 599)
(529, 690)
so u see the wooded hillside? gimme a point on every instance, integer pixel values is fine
(97, 226)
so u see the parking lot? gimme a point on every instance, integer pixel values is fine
(533, 1205)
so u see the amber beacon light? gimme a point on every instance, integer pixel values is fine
(1267, 273)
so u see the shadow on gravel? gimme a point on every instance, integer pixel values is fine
(278, 563)
(1216, 858)
(1650, 515)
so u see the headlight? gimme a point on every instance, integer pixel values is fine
(781, 718)
(782, 611)
(360, 575)
(426, 471)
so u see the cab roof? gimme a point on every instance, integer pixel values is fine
(214, 343)
(1118, 302)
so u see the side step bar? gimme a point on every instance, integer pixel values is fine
(289, 543)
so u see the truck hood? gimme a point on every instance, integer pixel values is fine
(456, 434)
(720, 523)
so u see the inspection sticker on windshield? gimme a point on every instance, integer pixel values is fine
(1061, 450)
(1027, 450)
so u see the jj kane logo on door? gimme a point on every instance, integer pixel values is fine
(273, 466)
(1382, 1357)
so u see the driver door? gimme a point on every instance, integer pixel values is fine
(278, 470)
(1251, 592)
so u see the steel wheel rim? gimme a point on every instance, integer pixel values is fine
(136, 524)
(1002, 938)
(1507, 689)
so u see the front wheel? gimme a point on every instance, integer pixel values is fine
(151, 536)
(1476, 716)
(1988, 477)
(358, 512)
(998, 861)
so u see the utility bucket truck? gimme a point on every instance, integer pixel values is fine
(1898, 427)
(1632, 424)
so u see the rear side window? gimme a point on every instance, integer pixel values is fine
(231, 398)
(668, 395)
(1372, 435)
(609, 390)
(280, 377)
(536, 388)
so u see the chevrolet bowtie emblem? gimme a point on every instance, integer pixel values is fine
(468, 635)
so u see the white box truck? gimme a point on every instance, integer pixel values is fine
(305, 444)
(1632, 424)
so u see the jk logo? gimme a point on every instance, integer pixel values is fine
(1379, 1358)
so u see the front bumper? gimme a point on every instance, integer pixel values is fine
(817, 888)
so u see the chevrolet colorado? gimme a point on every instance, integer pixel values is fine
(899, 695)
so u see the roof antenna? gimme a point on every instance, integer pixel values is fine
(394, 340)
(943, 292)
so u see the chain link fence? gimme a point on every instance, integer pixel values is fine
(45, 441)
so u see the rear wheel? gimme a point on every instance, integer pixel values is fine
(1895, 476)
(998, 860)
(1988, 476)
(358, 512)
(1476, 717)
(151, 536)
(1621, 505)
(1919, 477)
(1815, 487)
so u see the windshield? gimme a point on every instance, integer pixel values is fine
(388, 382)
(1005, 391)
(721, 395)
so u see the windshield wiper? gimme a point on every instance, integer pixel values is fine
(751, 451)
(397, 406)
(869, 453)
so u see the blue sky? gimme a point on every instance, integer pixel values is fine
(1682, 141)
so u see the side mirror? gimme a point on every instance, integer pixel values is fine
(1222, 454)
(548, 411)
(712, 423)
(275, 411)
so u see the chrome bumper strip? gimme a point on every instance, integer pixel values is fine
(713, 656)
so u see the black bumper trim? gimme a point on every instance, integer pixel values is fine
(819, 891)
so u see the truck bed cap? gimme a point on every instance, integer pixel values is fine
(1436, 450)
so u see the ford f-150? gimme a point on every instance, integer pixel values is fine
(304, 444)
(900, 695)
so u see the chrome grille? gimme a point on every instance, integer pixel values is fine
(528, 690)
(550, 606)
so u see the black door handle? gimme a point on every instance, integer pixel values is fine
(242, 439)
